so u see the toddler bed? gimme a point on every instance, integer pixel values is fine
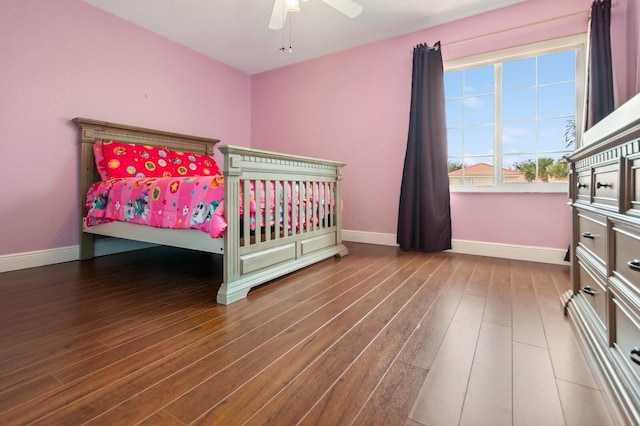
(267, 214)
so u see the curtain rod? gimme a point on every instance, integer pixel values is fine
(533, 24)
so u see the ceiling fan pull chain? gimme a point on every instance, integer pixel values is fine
(284, 17)
(284, 49)
(290, 32)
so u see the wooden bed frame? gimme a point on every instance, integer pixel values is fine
(247, 262)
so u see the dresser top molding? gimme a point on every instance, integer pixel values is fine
(620, 126)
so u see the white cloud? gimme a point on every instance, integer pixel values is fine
(512, 135)
(473, 102)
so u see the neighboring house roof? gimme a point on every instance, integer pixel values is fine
(482, 169)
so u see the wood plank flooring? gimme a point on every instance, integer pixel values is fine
(379, 337)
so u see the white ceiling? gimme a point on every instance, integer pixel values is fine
(236, 32)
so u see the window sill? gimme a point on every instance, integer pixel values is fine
(554, 188)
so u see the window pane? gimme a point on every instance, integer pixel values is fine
(557, 100)
(453, 84)
(454, 113)
(478, 140)
(454, 139)
(558, 171)
(553, 133)
(455, 163)
(512, 162)
(478, 80)
(519, 104)
(478, 110)
(530, 168)
(535, 129)
(519, 136)
(557, 67)
(480, 171)
(518, 74)
(477, 171)
(519, 168)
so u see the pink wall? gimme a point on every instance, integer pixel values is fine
(58, 62)
(633, 47)
(490, 218)
(624, 40)
(65, 59)
(353, 106)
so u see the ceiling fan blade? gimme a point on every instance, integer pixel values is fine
(278, 15)
(347, 7)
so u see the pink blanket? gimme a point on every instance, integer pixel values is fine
(197, 203)
(177, 203)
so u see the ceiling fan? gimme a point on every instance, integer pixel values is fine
(282, 7)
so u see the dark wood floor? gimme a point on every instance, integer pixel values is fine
(377, 337)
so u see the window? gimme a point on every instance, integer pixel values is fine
(511, 116)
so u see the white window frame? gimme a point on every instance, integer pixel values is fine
(578, 42)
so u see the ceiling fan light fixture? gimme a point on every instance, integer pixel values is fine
(281, 9)
(292, 5)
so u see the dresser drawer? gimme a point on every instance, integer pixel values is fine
(583, 185)
(627, 333)
(595, 293)
(626, 253)
(592, 235)
(606, 185)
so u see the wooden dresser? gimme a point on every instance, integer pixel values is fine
(604, 303)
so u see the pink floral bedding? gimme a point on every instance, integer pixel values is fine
(197, 202)
(176, 202)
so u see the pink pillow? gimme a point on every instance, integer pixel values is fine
(192, 164)
(116, 159)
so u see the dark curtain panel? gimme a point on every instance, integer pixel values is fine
(424, 215)
(600, 75)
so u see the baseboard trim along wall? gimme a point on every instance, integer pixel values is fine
(510, 251)
(33, 259)
(12, 262)
(478, 248)
(369, 237)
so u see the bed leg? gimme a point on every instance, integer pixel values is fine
(227, 295)
(86, 246)
(342, 251)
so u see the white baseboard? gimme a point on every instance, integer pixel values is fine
(510, 251)
(33, 259)
(369, 238)
(478, 248)
(13, 262)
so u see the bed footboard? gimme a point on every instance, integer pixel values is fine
(307, 223)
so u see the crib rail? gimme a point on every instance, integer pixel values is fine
(305, 224)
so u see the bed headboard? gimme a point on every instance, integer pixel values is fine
(95, 130)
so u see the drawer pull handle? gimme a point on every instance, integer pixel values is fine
(582, 185)
(589, 290)
(633, 354)
(634, 264)
(588, 235)
(603, 185)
